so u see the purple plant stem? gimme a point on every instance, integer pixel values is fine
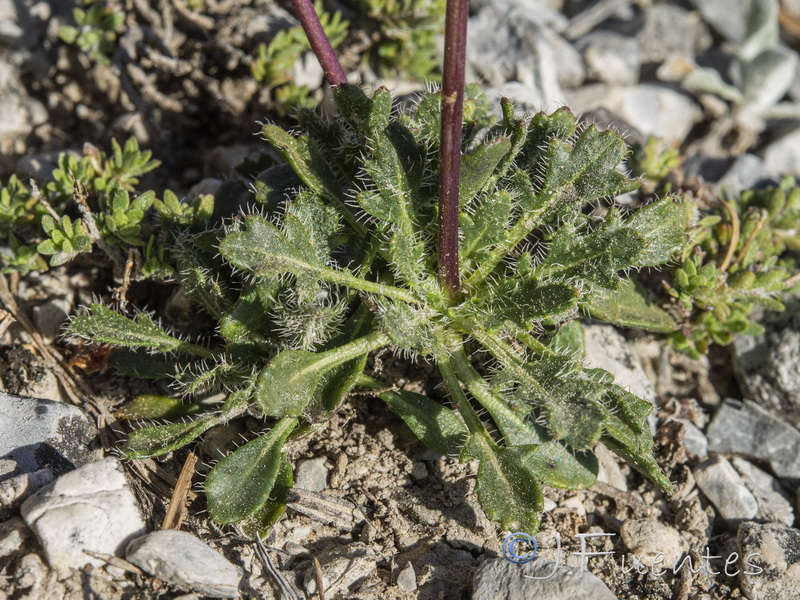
(320, 43)
(455, 57)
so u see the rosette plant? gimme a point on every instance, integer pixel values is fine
(443, 235)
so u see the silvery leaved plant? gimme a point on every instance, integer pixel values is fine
(440, 233)
(760, 74)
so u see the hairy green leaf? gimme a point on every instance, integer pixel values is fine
(152, 406)
(572, 407)
(542, 129)
(570, 340)
(199, 274)
(595, 257)
(266, 250)
(484, 227)
(478, 168)
(161, 439)
(409, 327)
(663, 227)
(293, 378)
(242, 482)
(263, 249)
(248, 318)
(554, 463)
(529, 301)
(104, 326)
(629, 408)
(341, 379)
(630, 307)
(585, 170)
(394, 154)
(144, 365)
(261, 521)
(507, 487)
(636, 449)
(307, 161)
(353, 104)
(289, 382)
(437, 426)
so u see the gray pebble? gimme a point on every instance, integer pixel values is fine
(771, 561)
(526, 56)
(19, 113)
(407, 579)
(8, 468)
(341, 567)
(15, 490)
(694, 440)
(721, 484)
(499, 579)
(38, 166)
(220, 162)
(41, 433)
(50, 316)
(312, 474)
(607, 349)
(295, 549)
(610, 57)
(419, 472)
(10, 29)
(726, 16)
(746, 429)
(609, 471)
(657, 39)
(180, 558)
(655, 545)
(208, 185)
(764, 81)
(768, 365)
(570, 70)
(524, 98)
(90, 508)
(13, 534)
(773, 503)
(655, 109)
(30, 571)
(307, 71)
(744, 173)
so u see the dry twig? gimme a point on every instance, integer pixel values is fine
(177, 504)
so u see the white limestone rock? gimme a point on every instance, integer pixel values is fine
(180, 558)
(90, 508)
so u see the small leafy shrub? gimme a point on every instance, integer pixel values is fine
(652, 163)
(96, 30)
(739, 256)
(305, 289)
(91, 201)
(738, 260)
(274, 61)
(405, 38)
